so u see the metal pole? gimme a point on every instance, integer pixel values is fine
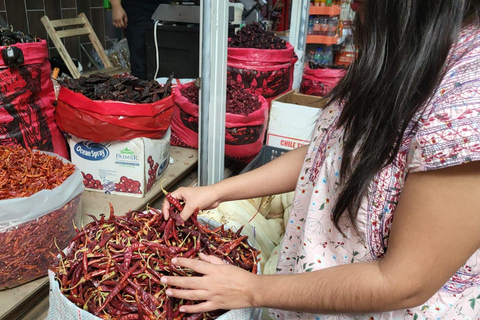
(298, 36)
(213, 71)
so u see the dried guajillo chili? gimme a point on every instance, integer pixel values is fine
(113, 265)
(126, 88)
(24, 172)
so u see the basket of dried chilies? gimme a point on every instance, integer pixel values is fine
(39, 205)
(113, 266)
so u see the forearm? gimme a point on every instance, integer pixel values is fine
(116, 3)
(277, 176)
(352, 288)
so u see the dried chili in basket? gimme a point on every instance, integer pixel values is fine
(26, 250)
(137, 252)
(24, 172)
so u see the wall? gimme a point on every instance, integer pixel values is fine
(24, 15)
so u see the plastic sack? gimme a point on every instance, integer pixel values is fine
(104, 121)
(32, 227)
(62, 308)
(265, 72)
(319, 82)
(244, 135)
(27, 102)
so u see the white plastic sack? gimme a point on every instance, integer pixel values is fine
(62, 308)
(40, 203)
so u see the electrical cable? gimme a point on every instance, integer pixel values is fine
(157, 60)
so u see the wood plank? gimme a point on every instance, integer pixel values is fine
(17, 301)
(96, 43)
(73, 32)
(60, 47)
(67, 22)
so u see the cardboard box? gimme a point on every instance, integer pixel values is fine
(128, 168)
(292, 119)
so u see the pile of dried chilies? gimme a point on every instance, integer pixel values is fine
(125, 88)
(256, 37)
(24, 172)
(239, 100)
(25, 250)
(113, 266)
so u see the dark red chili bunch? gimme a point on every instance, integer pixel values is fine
(239, 100)
(24, 172)
(256, 37)
(114, 266)
(191, 92)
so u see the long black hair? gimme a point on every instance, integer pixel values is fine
(403, 47)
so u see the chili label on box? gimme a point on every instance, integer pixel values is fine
(121, 167)
(292, 120)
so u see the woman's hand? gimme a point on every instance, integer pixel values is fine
(119, 16)
(194, 197)
(222, 286)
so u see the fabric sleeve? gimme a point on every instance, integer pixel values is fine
(450, 134)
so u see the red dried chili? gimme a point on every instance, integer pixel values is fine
(24, 172)
(127, 267)
(255, 36)
(26, 251)
(239, 100)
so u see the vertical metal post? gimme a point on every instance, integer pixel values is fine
(213, 71)
(298, 36)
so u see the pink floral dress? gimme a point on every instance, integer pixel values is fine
(448, 135)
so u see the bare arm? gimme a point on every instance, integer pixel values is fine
(278, 176)
(434, 232)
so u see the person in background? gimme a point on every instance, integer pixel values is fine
(135, 16)
(385, 221)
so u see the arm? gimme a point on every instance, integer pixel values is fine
(434, 232)
(119, 16)
(277, 176)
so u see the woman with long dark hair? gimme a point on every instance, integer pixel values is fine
(391, 179)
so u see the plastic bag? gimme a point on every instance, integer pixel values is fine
(319, 82)
(32, 227)
(26, 103)
(265, 72)
(62, 308)
(104, 121)
(244, 135)
(119, 54)
(40, 203)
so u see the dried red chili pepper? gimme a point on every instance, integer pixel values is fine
(26, 251)
(127, 241)
(25, 172)
(255, 36)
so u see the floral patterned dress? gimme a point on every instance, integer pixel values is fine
(448, 135)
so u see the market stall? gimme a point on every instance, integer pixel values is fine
(153, 135)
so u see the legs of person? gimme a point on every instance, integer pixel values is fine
(137, 46)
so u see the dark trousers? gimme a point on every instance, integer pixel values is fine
(139, 15)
